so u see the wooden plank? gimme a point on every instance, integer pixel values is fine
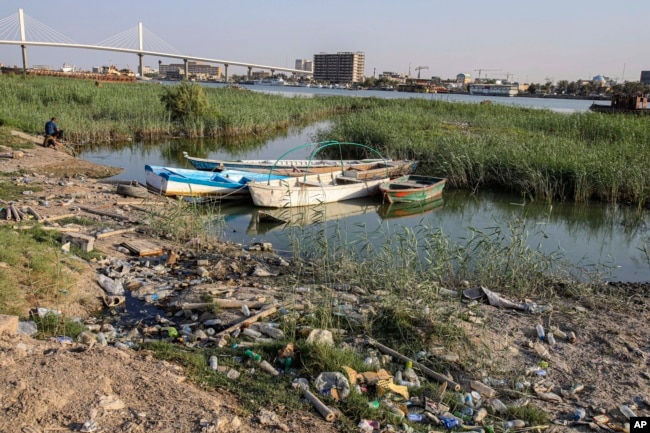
(114, 232)
(142, 248)
(59, 217)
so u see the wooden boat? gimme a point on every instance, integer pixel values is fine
(412, 188)
(400, 210)
(309, 190)
(195, 183)
(288, 167)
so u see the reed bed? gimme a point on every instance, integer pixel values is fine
(122, 111)
(539, 153)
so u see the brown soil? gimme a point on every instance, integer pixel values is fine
(50, 386)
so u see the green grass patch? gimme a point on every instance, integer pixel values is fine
(13, 191)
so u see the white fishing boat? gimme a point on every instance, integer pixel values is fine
(309, 190)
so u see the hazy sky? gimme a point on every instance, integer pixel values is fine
(532, 40)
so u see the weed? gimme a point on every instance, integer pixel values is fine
(52, 324)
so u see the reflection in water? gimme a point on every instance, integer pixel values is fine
(400, 210)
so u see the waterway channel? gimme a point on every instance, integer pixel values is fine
(596, 234)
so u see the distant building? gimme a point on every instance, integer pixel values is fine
(494, 89)
(645, 77)
(339, 68)
(197, 70)
(258, 75)
(463, 78)
(393, 76)
(304, 65)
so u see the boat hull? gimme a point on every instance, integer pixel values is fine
(195, 183)
(311, 190)
(412, 189)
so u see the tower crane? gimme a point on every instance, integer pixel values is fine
(419, 68)
(482, 70)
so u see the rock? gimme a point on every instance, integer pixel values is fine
(320, 336)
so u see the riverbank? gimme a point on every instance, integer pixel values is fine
(167, 385)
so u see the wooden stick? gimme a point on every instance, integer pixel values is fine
(325, 411)
(106, 214)
(14, 212)
(33, 212)
(114, 232)
(427, 371)
(247, 321)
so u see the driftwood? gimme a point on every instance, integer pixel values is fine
(427, 371)
(327, 413)
(114, 232)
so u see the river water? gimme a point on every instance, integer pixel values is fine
(595, 234)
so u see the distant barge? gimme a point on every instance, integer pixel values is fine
(623, 104)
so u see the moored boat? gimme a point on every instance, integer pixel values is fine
(286, 167)
(309, 190)
(412, 188)
(171, 181)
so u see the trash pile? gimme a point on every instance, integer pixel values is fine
(209, 303)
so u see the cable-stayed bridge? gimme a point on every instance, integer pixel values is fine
(22, 30)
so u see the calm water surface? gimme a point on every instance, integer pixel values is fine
(586, 234)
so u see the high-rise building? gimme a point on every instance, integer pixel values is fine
(304, 65)
(340, 68)
(645, 77)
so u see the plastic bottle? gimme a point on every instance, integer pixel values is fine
(415, 417)
(551, 339)
(264, 365)
(625, 410)
(515, 423)
(480, 414)
(373, 404)
(251, 333)
(252, 355)
(449, 422)
(245, 310)
(578, 414)
(540, 332)
(214, 363)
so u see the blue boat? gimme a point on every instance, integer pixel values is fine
(170, 181)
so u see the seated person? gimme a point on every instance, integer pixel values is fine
(52, 133)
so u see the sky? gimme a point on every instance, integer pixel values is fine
(526, 41)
